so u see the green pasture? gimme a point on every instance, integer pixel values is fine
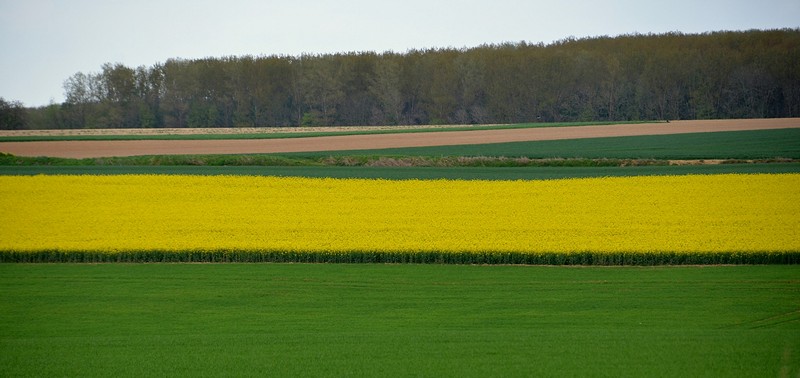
(397, 320)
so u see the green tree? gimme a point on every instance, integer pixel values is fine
(321, 91)
(13, 115)
(385, 88)
(180, 88)
(83, 93)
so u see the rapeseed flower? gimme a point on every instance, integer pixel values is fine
(676, 214)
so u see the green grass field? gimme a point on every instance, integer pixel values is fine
(397, 320)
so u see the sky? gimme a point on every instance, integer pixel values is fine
(44, 42)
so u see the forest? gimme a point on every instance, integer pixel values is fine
(728, 74)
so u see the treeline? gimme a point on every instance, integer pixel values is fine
(750, 74)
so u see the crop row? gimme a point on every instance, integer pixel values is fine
(356, 257)
(632, 220)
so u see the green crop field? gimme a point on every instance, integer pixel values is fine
(397, 320)
(754, 144)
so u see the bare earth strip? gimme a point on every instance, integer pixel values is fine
(218, 130)
(90, 149)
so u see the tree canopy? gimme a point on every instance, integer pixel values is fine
(12, 115)
(745, 74)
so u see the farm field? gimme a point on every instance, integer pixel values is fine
(397, 320)
(259, 132)
(91, 149)
(751, 144)
(584, 158)
(487, 319)
(627, 220)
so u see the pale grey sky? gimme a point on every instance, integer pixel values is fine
(43, 42)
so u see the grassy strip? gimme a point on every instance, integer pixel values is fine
(348, 161)
(404, 173)
(162, 160)
(382, 257)
(334, 161)
(283, 135)
(396, 320)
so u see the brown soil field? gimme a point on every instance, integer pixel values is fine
(90, 149)
(218, 130)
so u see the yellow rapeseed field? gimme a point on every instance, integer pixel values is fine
(738, 213)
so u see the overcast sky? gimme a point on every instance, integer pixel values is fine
(43, 42)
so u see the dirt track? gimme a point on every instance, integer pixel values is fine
(89, 149)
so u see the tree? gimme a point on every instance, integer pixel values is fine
(440, 89)
(82, 94)
(13, 115)
(471, 89)
(321, 89)
(384, 86)
(358, 102)
(118, 105)
(179, 90)
(149, 84)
